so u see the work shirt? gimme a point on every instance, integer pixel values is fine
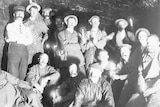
(35, 73)
(97, 39)
(150, 69)
(17, 32)
(37, 27)
(70, 44)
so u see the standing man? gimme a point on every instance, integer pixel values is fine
(38, 29)
(60, 26)
(18, 36)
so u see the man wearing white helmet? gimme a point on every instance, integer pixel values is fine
(38, 29)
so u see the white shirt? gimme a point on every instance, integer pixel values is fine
(15, 33)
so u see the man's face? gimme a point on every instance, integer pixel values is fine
(125, 53)
(142, 37)
(59, 22)
(43, 59)
(33, 11)
(152, 44)
(45, 14)
(121, 25)
(19, 15)
(103, 56)
(94, 75)
(95, 22)
(73, 70)
(71, 22)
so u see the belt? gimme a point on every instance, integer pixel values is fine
(16, 43)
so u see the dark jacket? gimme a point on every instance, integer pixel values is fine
(68, 88)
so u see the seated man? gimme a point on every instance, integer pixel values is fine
(9, 90)
(42, 74)
(66, 91)
(94, 91)
(107, 66)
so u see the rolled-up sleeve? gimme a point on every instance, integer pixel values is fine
(108, 95)
(79, 96)
(31, 76)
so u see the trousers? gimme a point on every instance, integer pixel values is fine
(17, 60)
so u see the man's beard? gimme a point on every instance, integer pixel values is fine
(18, 17)
(59, 25)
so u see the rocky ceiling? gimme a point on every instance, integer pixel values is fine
(107, 9)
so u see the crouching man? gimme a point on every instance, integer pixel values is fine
(41, 75)
(94, 91)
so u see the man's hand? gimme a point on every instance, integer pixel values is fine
(140, 68)
(115, 77)
(38, 87)
(44, 38)
(24, 84)
(57, 99)
(110, 36)
(127, 45)
(123, 77)
(149, 92)
(44, 81)
(72, 104)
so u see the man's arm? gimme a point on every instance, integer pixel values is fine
(31, 75)
(45, 37)
(62, 39)
(54, 75)
(79, 96)
(108, 95)
(29, 37)
(45, 31)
